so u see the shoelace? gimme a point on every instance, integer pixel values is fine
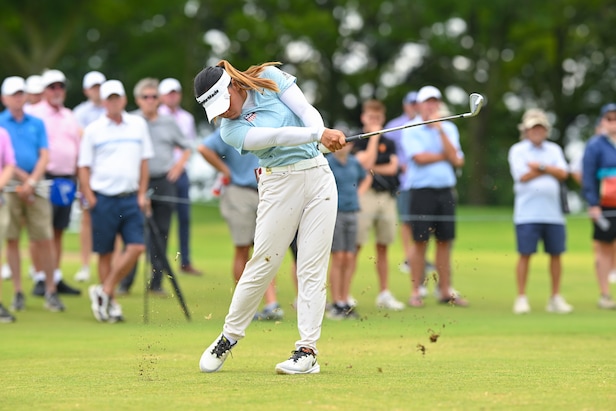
(302, 352)
(223, 346)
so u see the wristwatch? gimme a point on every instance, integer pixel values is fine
(542, 168)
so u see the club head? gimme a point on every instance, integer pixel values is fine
(475, 103)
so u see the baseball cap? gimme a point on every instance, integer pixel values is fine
(111, 87)
(52, 76)
(93, 78)
(34, 84)
(168, 85)
(428, 92)
(12, 85)
(607, 108)
(410, 98)
(216, 99)
(534, 117)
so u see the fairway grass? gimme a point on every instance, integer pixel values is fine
(483, 357)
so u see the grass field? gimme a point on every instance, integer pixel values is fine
(485, 358)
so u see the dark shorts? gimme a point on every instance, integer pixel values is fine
(345, 232)
(609, 235)
(433, 211)
(61, 215)
(404, 205)
(528, 236)
(116, 215)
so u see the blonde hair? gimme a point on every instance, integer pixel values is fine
(142, 84)
(249, 79)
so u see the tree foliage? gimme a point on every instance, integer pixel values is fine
(555, 55)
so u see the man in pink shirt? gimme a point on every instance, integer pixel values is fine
(7, 167)
(170, 93)
(63, 134)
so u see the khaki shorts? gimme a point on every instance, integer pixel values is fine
(36, 217)
(4, 221)
(378, 211)
(238, 206)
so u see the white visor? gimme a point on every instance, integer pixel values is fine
(216, 99)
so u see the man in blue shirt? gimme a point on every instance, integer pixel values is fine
(28, 197)
(433, 153)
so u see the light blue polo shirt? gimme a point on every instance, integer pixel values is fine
(242, 167)
(268, 111)
(424, 139)
(28, 138)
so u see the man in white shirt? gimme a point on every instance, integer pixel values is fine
(113, 173)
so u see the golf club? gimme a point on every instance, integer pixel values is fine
(475, 103)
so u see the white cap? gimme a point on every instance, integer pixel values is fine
(53, 76)
(428, 92)
(110, 87)
(12, 85)
(93, 78)
(168, 85)
(216, 99)
(34, 84)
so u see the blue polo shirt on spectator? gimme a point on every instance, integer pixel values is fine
(348, 176)
(241, 166)
(28, 138)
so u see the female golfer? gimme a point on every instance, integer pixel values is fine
(264, 112)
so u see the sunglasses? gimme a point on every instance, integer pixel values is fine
(57, 86)
(149, 96)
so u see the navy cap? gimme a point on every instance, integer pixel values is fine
(607, 108)
(411, 97)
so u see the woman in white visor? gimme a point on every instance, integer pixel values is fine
(264, 112)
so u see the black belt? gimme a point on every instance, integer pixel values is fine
(121, 195)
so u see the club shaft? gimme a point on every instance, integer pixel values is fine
(388, 130)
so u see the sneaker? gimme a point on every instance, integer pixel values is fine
(64, 288)
(557, 304)
(39, 289)
(350, 313)
(335, 312)
(454, 300)
(115, 312)
(351, 302)
(521, 305)
(606, 302)
(269, 314)
(53, 303)
(437, 292)
(5, 315)
(215, 355)
(83, 275)
(100, 303)
(302, 361)
(5, 272)
(404, 267)
(429, 268)
(386, 300)
(19, 301)
(423, 291)
(190, 270)
(612, 277)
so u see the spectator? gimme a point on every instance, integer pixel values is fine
(537, 167)
(7, 167)
(433, 153)
(238, 205)
(27, 196)
(34, 89)
(63, 136)
(263, 111)
(348, 174)
(599, 190)
(377, 155)
(113, 173)
(170, 91)
(164, 172)
(86, 112)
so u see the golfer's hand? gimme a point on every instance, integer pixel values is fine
(333, 140)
